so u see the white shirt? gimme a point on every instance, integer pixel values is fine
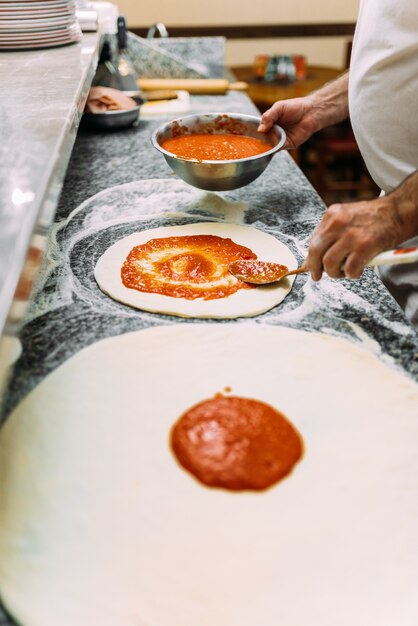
(383, 102)
(383, 89)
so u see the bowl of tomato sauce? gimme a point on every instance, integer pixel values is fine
(217, 151)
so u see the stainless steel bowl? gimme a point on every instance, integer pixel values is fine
(218, 175)
(111, 120)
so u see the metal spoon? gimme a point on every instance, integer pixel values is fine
(264, 272)
(261, 272)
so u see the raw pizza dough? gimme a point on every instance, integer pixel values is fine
(99, 525)
(243, 303)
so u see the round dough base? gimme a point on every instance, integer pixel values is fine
(100, 525)
(243, 303)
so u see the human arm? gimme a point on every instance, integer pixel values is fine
(302, 117)
(349, 235)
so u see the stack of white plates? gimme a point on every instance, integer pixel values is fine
(27, 24)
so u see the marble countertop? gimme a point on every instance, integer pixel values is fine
(42, 97)
(117, 183)
(69, 312)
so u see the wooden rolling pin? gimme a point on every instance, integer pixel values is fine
(192, 85)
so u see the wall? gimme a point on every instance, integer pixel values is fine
(323, 51)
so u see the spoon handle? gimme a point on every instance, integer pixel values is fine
(299, 270)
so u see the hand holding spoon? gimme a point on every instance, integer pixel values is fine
(263, 272)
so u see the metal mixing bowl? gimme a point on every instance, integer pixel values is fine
(218, 175)
(111, 120)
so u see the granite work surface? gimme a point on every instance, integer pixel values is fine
(116, 184)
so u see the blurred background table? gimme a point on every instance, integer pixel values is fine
(264, 94)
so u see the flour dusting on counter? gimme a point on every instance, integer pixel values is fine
(69, 305)
(110, 215)
(78, 241)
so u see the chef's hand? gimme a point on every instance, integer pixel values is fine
(296, 116)
(349, 235)
(302, 117)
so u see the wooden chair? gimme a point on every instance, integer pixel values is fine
(334, 165)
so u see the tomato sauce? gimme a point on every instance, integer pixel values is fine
(206, 147)
(236, 443)
(190, 266)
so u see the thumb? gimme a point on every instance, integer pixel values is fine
(269, 118)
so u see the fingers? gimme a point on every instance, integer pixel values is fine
(271, 116)
(324, 237)
(354, 265)
(268, 118)
(357, 259)
(343, 242)
(337, 260)
(294, 116)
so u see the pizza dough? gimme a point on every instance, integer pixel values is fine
(244, 303)
(100, 525)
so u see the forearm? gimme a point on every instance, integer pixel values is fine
(330, 103)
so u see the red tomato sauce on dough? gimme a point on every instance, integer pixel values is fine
(207, 147)
(191, 266)
(236, 443)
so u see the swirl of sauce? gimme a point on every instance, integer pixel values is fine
(236, 443)
(190, 266)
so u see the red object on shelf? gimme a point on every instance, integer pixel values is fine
(301, 65)
(260, 64)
